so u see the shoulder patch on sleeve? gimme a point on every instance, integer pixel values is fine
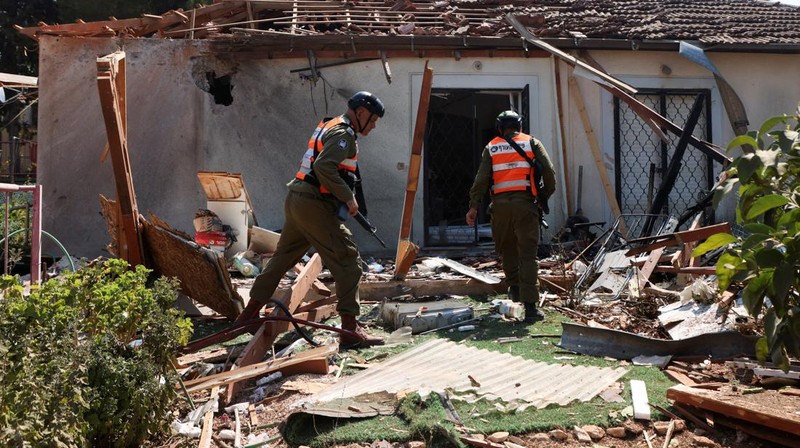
(343, 143)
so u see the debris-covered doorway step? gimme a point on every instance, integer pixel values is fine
(460, 123)
(642, 158)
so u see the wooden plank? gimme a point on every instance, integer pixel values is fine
(208, 422)
(405, 249)
(646, 113)
(406, 254)
(10, 80)
(562, 134)
(680, 377)
(680, 238)
(427, 287)
(700, 270)
(716, 402)
(111, 86)
(777, 437)
(314, 360)
(140, 26)
(653, 259)
(575, 93)
(569, 59)
(257, 348)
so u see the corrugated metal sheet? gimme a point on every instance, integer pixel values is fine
(440, 364)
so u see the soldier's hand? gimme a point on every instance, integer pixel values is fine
(352, 207)
(471, 215)
(544, 207)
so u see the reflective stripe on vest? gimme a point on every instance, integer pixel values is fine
(510, 171)
(315, 146)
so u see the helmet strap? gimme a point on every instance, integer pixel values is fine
(361, 127)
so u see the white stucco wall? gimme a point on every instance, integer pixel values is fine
(175, 129)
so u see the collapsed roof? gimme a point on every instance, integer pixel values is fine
(732, 23)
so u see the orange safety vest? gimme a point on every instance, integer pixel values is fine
(315, 146)
(510, 171)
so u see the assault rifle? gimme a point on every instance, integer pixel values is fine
(362, 220)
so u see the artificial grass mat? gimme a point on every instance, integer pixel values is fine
(418, 419)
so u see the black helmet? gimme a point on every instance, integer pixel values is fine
(508, 120)
(368, 101)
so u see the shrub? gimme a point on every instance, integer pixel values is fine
(767, 260)
(86, 358)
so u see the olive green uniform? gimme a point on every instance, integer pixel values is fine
(515, 222)
(311, 221)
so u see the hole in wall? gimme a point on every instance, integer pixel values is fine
(220, 88)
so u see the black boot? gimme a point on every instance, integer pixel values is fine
(532, 315)
(513, 293)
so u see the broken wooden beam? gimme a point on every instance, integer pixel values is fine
(678, 238)
(406, 250)
(111, 86)
(260, 344)
(736, 406)
(314, 360)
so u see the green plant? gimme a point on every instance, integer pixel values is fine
(86, 358)
(767, 260)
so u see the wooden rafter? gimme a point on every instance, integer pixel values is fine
(258, 346)
(406, 250)
(111, 85)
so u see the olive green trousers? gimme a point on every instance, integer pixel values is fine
(311, 221)
(515, 230)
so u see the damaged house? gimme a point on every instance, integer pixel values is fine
(238, 86)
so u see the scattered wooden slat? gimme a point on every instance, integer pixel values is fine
(575, 93)
(251, 410)
(427, 287)
(258, 346)
(687, 413)
(679, 238)
(679, 376)
(111, 85)
(771, 435)
(314, 360)
(715, 402)
(699, 270)
(791, 392)
(208, 422)
(668, 435)
(406, 250)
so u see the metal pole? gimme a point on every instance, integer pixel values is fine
(36, 236)
(5, 240)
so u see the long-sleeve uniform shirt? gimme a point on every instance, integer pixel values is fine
(339, 143)
(515, 221)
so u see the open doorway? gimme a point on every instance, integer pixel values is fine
(460, 124)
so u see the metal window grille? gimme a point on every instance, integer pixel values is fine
(642, 158)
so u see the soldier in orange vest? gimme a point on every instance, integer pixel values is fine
(517, 204)
(326, 179)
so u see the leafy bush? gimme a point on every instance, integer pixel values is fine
(19, 242)
(86, 358)
(767, 260)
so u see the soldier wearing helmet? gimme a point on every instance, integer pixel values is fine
(507, 165)
(328, 176)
